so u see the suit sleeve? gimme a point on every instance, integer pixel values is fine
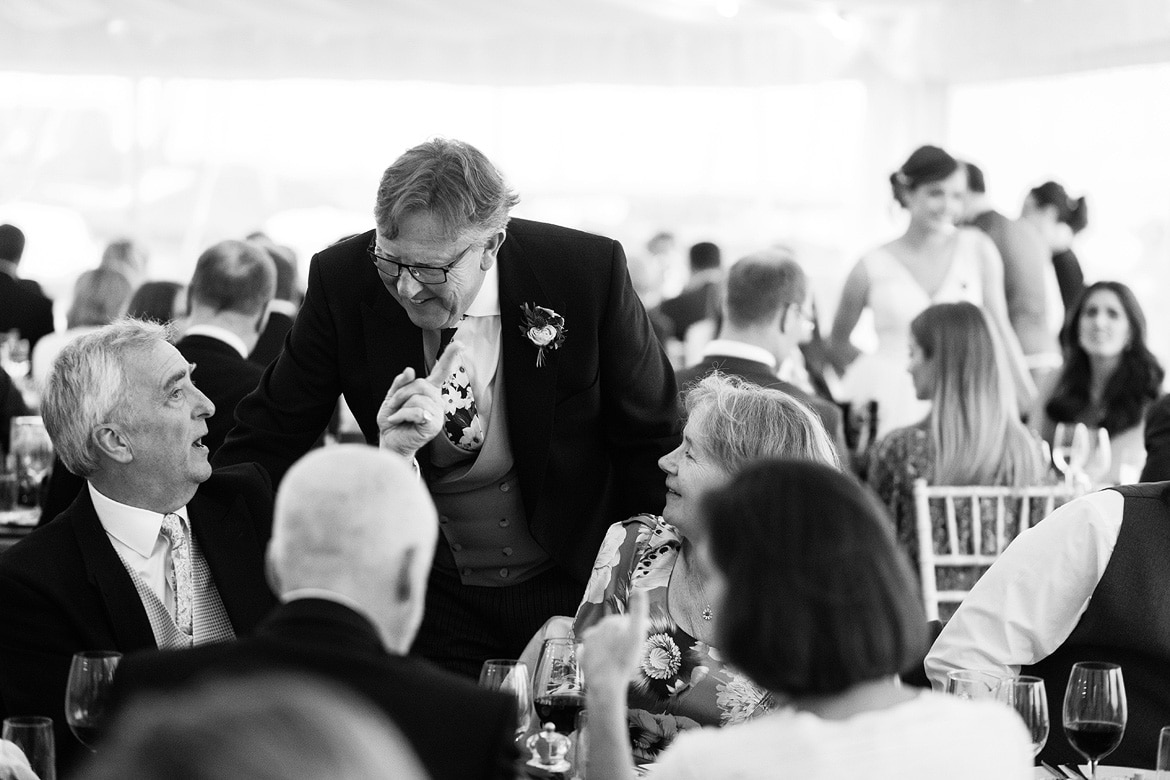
(285, 415)
(639, 396)
(1157, 466)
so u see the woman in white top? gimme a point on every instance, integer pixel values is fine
(934, 261)
(813, 601)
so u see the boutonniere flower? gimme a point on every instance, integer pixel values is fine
(543, 327)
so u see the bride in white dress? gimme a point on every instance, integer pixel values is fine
(934, 261)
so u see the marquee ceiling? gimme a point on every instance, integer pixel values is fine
(504, 42)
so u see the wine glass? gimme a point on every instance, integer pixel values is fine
(32, 449)
(1094, 710)
(1070, 451)
(87, 694)
(971, 684)
(1026, 695)
(558, 688)
(510, 677)
(1100, 456)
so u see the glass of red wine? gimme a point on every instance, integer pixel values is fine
(87, 694)
(1094, 710)
(558, 687)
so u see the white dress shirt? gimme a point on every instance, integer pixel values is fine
(136, 536)
(1033, 596)
(738, 349)
(223, 334)
(479, 333)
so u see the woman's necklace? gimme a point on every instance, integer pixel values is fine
(707, 612)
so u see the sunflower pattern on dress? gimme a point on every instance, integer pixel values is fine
(680, 682)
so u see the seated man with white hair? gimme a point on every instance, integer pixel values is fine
(353, 538)
(157, 552)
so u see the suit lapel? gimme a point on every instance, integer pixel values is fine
(227, 538)
(530, 392)
(393, 342)
(105, 570)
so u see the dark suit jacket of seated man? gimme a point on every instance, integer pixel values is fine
(67, 587)
(353, 538)
(583, 418)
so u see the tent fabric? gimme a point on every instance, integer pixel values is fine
(532, 42)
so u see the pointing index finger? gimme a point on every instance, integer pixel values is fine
(445, 364)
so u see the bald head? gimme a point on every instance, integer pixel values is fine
(356, 521)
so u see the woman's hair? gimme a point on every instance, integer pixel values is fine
(257, 727)
(1074, 213)
(154, 301)
(1136, 382)
(927, 164)
(99, 297)
(818, 596)
(974, 422)
(747, 422)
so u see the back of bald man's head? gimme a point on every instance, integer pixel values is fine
(346, 515)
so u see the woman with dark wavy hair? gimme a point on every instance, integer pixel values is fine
(1109, 377)
(813, 602)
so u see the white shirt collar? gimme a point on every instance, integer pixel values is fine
(487, 301)
(223, 334)
(134, 527)
(738, 349)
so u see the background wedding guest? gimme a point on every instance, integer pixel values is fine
(285, 303)
(813, 601)
(157, 551)
(561, 399)
(730, 424)
(22, 304)
(128, 258)
(230, 290)
(972, 434)
(160, 301)
(1086, 584)
(1109, 377)
(100, 296)
(353, 537)
(1026, 262)
(260, 727)
(1058, 218)
(934, 261)
(766, 317)
(701, 293)
(1157, 440)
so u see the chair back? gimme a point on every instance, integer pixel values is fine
(962, 529)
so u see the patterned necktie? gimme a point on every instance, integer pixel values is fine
(180, 574)
(462, 424)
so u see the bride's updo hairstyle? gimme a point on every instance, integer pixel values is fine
(926, 164)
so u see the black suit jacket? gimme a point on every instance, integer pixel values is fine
(24, 306)
(587, 428)
(224, 376)
(460, 731)
(1157, 466)
(271, 339)
(64, 589)
(690, 306)
(762, 374)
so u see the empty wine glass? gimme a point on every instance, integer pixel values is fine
(1100, 456)
(971, 684)
(558, 688)
(1094, 710)
(1026, 695)
(510, 677)
(87, 694)
(1071, 448)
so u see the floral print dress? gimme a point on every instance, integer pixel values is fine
(681, 682)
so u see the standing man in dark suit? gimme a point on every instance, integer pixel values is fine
(701, 293)
(353, 537)
(156, 551)
(765, 320)
(230, 291)
(561, 404)
(22, 304)
(1157, 435)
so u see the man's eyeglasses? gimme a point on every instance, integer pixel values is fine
(423, 274)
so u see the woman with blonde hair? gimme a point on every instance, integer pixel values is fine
(684, 683)
(973, 434)
(100, 296)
